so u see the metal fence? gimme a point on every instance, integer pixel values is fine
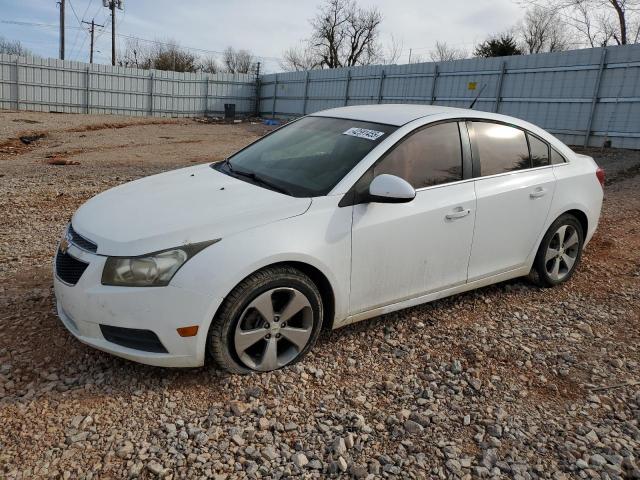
(582, 96)
(50, 85)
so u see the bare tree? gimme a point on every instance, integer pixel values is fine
(168, 55)
(344, 35)
(172, 57)
(296, 59)
(362, 30)
(621, 8)
(596, 22)
(209, 65)
(136, 55)
(634, 30)
(14, 47)
(542, 31)
(445, 53)
(238, 61)
(392, 51)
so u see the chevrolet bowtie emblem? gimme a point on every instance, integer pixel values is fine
(64, 245)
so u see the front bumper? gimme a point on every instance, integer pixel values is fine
(85, 306)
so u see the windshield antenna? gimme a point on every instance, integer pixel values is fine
(477, 96)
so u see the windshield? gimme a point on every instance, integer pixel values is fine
(306, 158)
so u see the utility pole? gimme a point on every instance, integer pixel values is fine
(93, 27)
(61, 3)
(112, 5)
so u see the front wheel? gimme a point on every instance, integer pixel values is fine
(270, 320)
(560, 252)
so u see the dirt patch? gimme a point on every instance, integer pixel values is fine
(25, 120)
(17, 146)
(117, 125)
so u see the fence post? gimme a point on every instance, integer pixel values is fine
(306, 94)
(257, 104)
(503, 69)
(173, 94)
(380, 85)
(436, 73)
(594, 99)
(18, 83)
(275, 96)
(346, 90)
(206, 96)
(151, 94)
(87, 91)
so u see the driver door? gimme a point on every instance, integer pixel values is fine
(404, 250)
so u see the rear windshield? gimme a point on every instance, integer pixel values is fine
(306, 158)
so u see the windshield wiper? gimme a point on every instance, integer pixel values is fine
(259, 179)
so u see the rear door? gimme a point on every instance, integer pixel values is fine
(403, 250)
(514, 188)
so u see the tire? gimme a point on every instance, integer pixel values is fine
(242, 339)
(550, 270)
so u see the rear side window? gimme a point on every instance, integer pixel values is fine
(539, 152)
(556, 158)
(428, 157)
(501, 148)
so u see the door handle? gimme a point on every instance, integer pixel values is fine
(458, 213)
(538, 192)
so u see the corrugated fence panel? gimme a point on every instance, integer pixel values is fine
(51, 85)
(582, 96)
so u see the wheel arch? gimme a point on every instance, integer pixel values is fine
(580, 216)
(317, 277)
(577, 212)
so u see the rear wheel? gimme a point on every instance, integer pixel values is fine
(270, 320)
(560, 252)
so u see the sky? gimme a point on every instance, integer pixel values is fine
(264, 27)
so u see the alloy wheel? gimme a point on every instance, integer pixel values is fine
(273, 329)
(562, 252)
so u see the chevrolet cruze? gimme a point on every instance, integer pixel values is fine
(339, 216)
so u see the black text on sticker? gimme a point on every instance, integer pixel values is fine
(364, 133)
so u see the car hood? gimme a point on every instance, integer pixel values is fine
(180, 207)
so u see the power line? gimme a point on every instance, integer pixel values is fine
(75, 40)
(84, 15)
(74, 12)
(85, 38)
(133, 37)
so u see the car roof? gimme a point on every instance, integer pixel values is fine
(391, 114)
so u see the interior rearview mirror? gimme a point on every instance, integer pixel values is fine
(387, 188)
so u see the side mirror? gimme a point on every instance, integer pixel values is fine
(387, 188)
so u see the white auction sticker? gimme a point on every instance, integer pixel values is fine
(364, 133)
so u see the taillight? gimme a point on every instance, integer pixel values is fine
(600, 175)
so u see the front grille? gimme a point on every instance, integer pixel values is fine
(144, 340)
(80, 241)
(69, 269)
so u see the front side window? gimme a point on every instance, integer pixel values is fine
(539, 152)
(306, 158)
(501, 148)
(428, 157)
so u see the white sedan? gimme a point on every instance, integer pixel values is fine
(340, 216)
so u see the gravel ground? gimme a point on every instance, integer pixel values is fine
(510, 381)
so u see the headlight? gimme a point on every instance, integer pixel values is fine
(153, 270)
